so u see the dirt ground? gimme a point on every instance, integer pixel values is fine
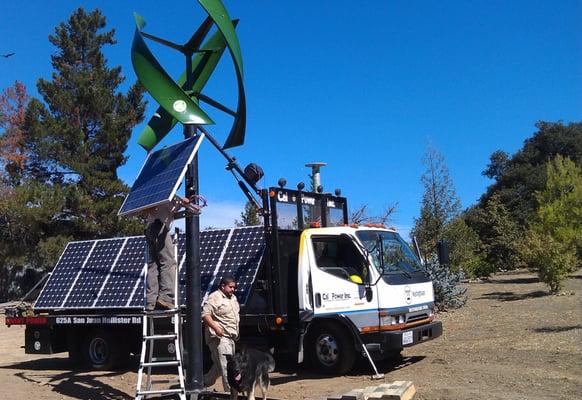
(511, 341)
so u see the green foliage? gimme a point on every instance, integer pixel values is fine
(560, 203)
(519, 177)
(439, 205)
(465, 247)
(553, 243)
(72, 142)
(553, 260)
(249, 216)
(513, 202)
(499, 235)
(448, 292)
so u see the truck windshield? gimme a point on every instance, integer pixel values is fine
(398, 258)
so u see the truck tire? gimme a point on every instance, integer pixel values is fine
(100, 350)
(330, 349)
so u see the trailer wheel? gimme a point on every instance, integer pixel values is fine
(100, 351)
(331, 349)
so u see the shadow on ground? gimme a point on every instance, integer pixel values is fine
(515, 281)
(512, 296)
(361, 369)
(57, 374)
(557, 329)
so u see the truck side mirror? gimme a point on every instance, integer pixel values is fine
(443, 252)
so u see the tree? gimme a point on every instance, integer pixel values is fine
(13, 103)
(497, 164)
(81, 133)
(439, 204)
(72, 143)
(524, 173)
(560, 203)
(553, 243)
(499, 235)
(465, 247)
(249, 216)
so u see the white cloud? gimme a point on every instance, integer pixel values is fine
(218, 214)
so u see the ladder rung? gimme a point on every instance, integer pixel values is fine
(158, 337)
(169, 380)
(161, 313)
(160, 363)
(160, 391)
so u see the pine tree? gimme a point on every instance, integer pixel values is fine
(81, 133)
(440, 203)
(249, 216)
(64, 185)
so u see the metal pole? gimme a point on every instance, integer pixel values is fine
(193, 342)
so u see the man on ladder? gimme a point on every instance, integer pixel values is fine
(161, 298)
(161, 273)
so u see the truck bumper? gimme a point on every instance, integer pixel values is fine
(390, 341)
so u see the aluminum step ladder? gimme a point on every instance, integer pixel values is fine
(148, 362)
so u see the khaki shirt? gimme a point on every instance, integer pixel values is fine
(224, 311)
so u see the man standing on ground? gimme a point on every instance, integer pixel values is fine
(161, 276)
(221, 318)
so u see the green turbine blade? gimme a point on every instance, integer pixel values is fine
(219, 15)
(160, 85)
(203, 65)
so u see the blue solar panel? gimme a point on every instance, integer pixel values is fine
(160, 176)
(109, 273)
(122, 288)
(63, 275)
(94, 273)
(212, 246)
(242, 259)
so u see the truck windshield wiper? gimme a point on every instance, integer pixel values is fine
(403, 270)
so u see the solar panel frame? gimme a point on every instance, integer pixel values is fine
(127, 208)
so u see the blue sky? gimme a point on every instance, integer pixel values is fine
(363, 86)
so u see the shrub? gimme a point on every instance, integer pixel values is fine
(447, 290)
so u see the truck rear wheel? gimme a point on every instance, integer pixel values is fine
(330, 349)
(101, 351)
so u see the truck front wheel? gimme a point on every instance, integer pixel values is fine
(330, 349)
(100, 350)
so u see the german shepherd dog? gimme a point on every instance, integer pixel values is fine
(247, 369)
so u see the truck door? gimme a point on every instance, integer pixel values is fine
(339, 276)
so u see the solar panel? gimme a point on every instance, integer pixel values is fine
(66, 270)
(109, 273)
(242, 259)
(160, 176)
(212, 246)
(122, 288)
(93, 274)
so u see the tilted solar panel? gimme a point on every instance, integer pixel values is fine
(160, 176)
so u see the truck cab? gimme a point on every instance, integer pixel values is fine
(361, 286)
(335, 288)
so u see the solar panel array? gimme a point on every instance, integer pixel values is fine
(160, 176)
(110, 273)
